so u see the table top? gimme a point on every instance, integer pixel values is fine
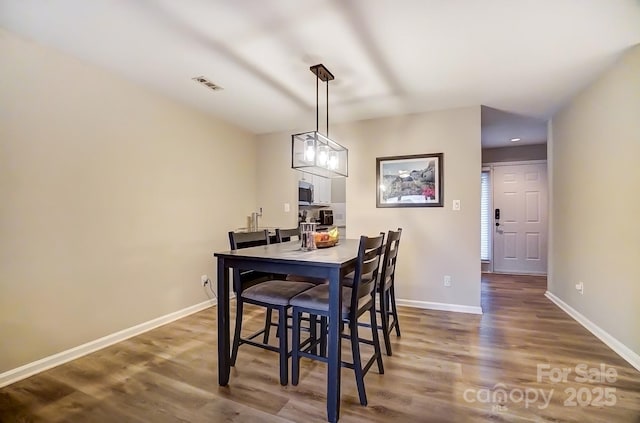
(345, 251)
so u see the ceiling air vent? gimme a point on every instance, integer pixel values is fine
(204, 81)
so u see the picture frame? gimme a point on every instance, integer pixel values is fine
(410, 181)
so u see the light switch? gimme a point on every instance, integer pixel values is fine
(456, 205)
(287, 207)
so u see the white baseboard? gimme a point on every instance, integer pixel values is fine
(46, 363)
(618, 347)
(532, 273)
(440, 306)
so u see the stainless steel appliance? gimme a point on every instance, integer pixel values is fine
(305, 193)
(326, 217)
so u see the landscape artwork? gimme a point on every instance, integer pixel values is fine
(410, 181)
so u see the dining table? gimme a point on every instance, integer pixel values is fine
(331, 263)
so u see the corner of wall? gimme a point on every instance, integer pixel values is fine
(593, 148)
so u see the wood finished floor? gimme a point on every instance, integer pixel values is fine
(170, 374)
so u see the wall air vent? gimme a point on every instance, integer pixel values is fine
(204, 81)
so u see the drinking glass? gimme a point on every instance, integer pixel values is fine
(307, 239)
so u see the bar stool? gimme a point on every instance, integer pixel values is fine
(271, 294)
(291, 234)
(356, 301)
(286, 235)
(386, 289)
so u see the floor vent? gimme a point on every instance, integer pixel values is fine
(204, 81)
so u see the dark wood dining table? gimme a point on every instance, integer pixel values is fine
(287, 258)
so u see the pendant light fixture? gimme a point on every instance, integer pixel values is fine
(313, 152)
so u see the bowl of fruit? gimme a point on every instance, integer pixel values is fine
(326, 239)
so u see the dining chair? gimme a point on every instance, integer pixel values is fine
(273, 294)
(355, 302)
(248, 278)
(285, 235)
(239, 240)
(386, 289)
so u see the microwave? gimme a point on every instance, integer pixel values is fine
(305, 193)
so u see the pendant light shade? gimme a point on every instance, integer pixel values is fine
(315, 153)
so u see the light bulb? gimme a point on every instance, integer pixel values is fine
(322, 157)
(333, 161)
(309, 153)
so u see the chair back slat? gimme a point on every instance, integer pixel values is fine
(239, 240)
(367, 266)
(285, 235)
(388, 271)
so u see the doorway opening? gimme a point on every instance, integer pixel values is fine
(514, 228)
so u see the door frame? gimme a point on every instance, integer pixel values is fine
(491, 166)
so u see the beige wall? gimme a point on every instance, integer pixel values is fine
(436, 241)
(338, 190)
(112, 201)
(595, 203)
(514, 154)
(278, 183)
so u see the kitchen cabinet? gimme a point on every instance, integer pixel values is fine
(321, 190)
(321, 187)
(304, 177)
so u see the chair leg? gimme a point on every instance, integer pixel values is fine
(376, 339)
(357, 361)
(394, 308)
(236, 334)
(284, 346)
(313, 331)
(295, 348)
(323, 336)
(384, 314)
(267, 327)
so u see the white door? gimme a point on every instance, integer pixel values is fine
(520, 232)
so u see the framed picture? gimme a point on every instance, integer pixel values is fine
(410, 181)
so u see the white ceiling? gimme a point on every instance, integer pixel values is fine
(524, 57)
(500, 127)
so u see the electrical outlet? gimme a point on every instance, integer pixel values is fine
(580, 287)
(447, 280)
(204, 279)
